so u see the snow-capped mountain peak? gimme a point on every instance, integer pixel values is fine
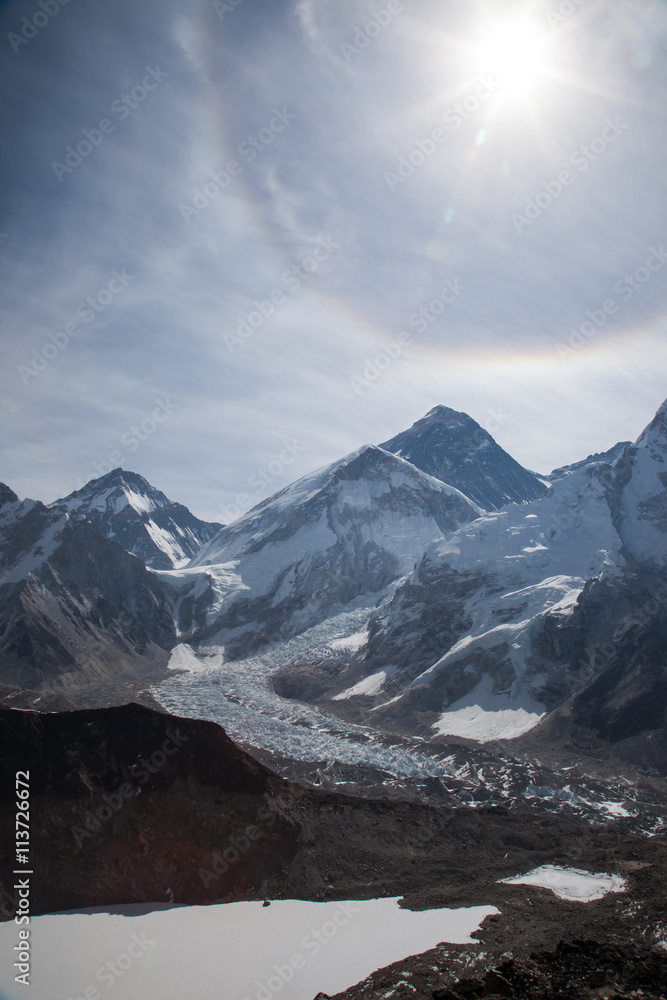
(366, 480)
(350, 529)
(124, 507)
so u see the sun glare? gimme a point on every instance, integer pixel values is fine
(516, 52)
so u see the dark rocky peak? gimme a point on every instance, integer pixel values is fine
(454, 448)
(7, 496)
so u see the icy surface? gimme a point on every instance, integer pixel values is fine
(230, 950)
(237, 695)
(351, 643)
(483, 715)
(125, 507)
(570, 883)
(366, 519)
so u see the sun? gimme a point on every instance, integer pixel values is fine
(516, 52)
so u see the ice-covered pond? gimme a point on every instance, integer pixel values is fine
(235, 951)
(570, 883)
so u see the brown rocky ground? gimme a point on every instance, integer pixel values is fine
(574, 970)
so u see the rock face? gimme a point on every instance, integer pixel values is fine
(641, 493)
(460, 637)
(75, 609)
(124, 507)
(578, 969)
(618, 633)
(141, 804)
(454, 448)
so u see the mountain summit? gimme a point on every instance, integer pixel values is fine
(456, 450)
(347, 530)
(124, 507)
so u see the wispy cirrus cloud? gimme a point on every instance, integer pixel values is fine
(321, 176)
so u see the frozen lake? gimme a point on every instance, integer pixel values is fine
(570, 883)
(235, 951)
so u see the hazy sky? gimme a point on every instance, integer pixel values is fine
(499, 166)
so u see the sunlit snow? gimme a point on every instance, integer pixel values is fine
(484, 715)
(370, 685)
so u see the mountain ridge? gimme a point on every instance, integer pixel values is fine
(369, 588)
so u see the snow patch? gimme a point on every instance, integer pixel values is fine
(368, 686)
(167, 544)
(483, 715)
(183, 657)
(570, 883)
(350, 643)
(140, 503)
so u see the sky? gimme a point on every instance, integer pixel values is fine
(239, 239)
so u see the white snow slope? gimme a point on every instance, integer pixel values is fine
(352, 528)
(536, 559)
